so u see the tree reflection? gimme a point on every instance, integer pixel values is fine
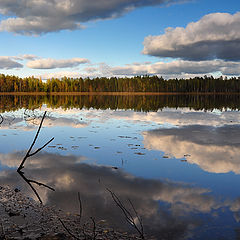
(143, 103)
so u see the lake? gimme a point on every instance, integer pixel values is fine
(176, 157)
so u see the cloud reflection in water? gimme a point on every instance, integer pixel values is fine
(169, 208)
(214, 149)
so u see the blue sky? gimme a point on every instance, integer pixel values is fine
(110, 38)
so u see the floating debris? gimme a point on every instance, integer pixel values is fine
(75, 147)
(62, 148)
(139, 153)
(165, 156)
(124, 137)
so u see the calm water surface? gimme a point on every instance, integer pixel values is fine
(177, 158)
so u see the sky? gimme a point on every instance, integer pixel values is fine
(83, 38)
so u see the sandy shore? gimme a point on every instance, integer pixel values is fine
(24, 218)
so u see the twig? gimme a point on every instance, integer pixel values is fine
(1, 121)
(94, 228)
(128, 216)
(34, 141)
(29, 154)
(80, 216)
(80, 207)
(69, 232)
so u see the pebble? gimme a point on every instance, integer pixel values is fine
(24, 218)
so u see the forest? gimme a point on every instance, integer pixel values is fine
(206, 84)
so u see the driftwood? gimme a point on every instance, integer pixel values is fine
(30, 182)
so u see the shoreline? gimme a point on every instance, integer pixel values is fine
(112, 93)
(24, 218)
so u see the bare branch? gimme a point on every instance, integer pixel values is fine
(1, 121)
(94, 229)
(39, 149)
(128, 216)
(80, 207)
(29, 154)
(34, 141)
(31, 186)
(41, 184)
(69, 232)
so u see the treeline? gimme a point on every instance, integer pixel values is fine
(144, 103)
(134, 84)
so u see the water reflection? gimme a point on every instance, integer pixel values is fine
(16, 120)
(123, 150)
(214, 149)
(143, 103)
(168, 208)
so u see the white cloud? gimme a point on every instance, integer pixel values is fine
(215, 36)
(49, 63)
(178, 68)
(37, 17)
(9, 63)
(29, 56)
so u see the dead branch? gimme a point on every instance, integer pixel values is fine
(128, 216)
(80, 207)
(1, 117)
(80, 216)
(29, 154)
(69, 232)
(94, 235)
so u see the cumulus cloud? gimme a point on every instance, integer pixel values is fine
(214, 149)
(37, 17)
(176, 68)
(215, 36)
(29, 56)
(9, 63)
(167, 69)
(49, 63)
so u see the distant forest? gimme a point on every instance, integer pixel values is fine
(124, 84)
